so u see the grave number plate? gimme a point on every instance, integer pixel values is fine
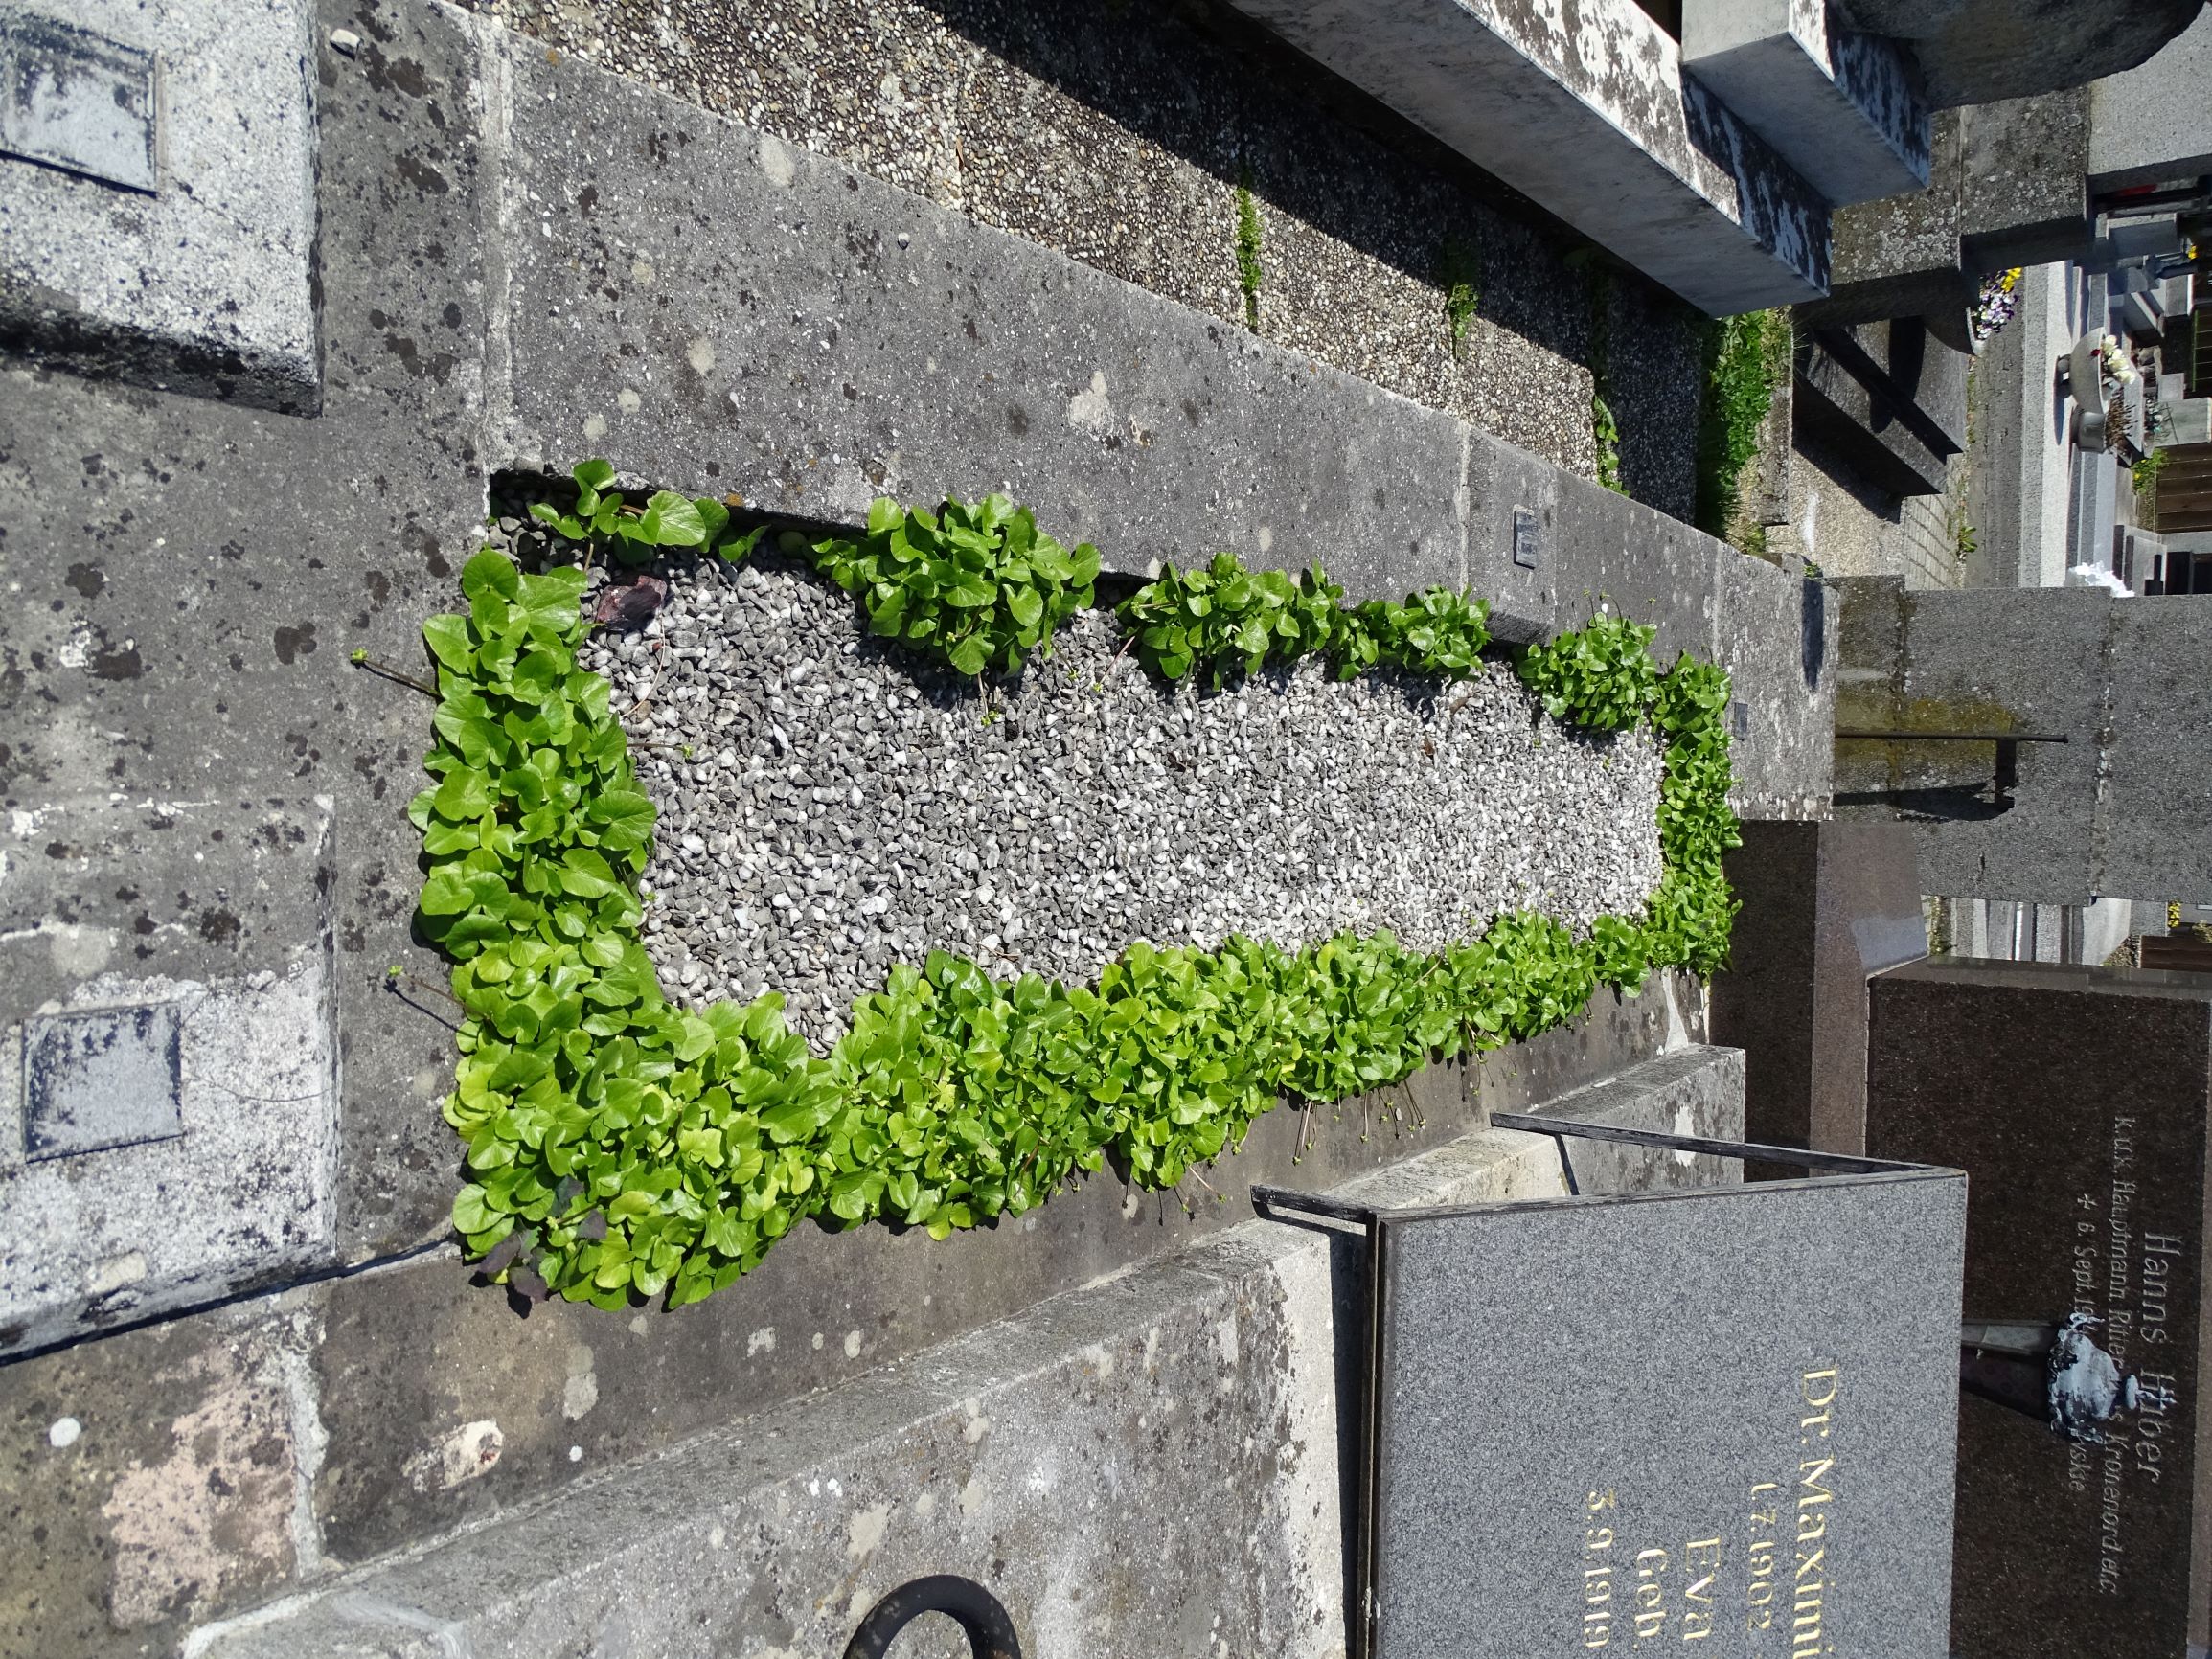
(1524, 538)
(78, 101)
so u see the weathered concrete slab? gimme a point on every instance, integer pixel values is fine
(1200, 1391)
(1588, 114)
(2116, 811)
(171, 251)
(2148, 122)
(962, 360)
(192, 575)
(165, 1141)
(856, 341)
(1841, 107)
(152, 1479)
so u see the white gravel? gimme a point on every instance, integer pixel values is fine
(841, 810)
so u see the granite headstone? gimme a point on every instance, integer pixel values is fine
(1715, 1421)
(2076, 1100)
(1825, 906)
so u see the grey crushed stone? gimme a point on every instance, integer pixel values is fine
(841, 810)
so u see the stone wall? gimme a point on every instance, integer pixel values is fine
(1117, 135)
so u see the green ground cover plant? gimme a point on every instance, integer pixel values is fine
(1223, 619)
(978, 586)
(1249, 270)
(1459, 273)
(1745, 359)
(619, 1147)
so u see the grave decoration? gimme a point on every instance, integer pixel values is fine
(620, 1145)
(2079, 1101)
(1713, 1419)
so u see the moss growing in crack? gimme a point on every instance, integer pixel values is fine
(1604, 429)
(1745, 359)
(1459, 271)
(1248, 268)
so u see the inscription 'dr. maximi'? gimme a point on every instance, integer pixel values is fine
(1773, 1573)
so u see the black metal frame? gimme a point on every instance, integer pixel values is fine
(2008, 769)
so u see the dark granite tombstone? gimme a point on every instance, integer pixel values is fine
(1825, 906)
(1712, 1421)
(2076, 1100)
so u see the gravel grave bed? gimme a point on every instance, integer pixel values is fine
(842, 809)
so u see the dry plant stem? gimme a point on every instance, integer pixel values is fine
(385, 671)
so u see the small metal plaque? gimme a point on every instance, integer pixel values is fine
(1740, 720)
(1524, 538)
(102, 1079)
(75, 99)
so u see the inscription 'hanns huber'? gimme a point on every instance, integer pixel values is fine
(1661, 1595)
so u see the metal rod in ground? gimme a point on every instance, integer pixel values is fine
(1839, 1161)
(1956, 736)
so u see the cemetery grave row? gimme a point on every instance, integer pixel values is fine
(620, 1146)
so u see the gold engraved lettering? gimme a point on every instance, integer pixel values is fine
(1651, 1595)
(1701, 1555)
(1759, 1593)
(1819, 1389)
(1598, 1573)
(1810, 1474)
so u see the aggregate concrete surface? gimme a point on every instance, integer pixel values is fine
(1118, 136)
(839, 811)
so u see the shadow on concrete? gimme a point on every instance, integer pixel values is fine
(1950, 804)
(1812, 632)
(1222, 93)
